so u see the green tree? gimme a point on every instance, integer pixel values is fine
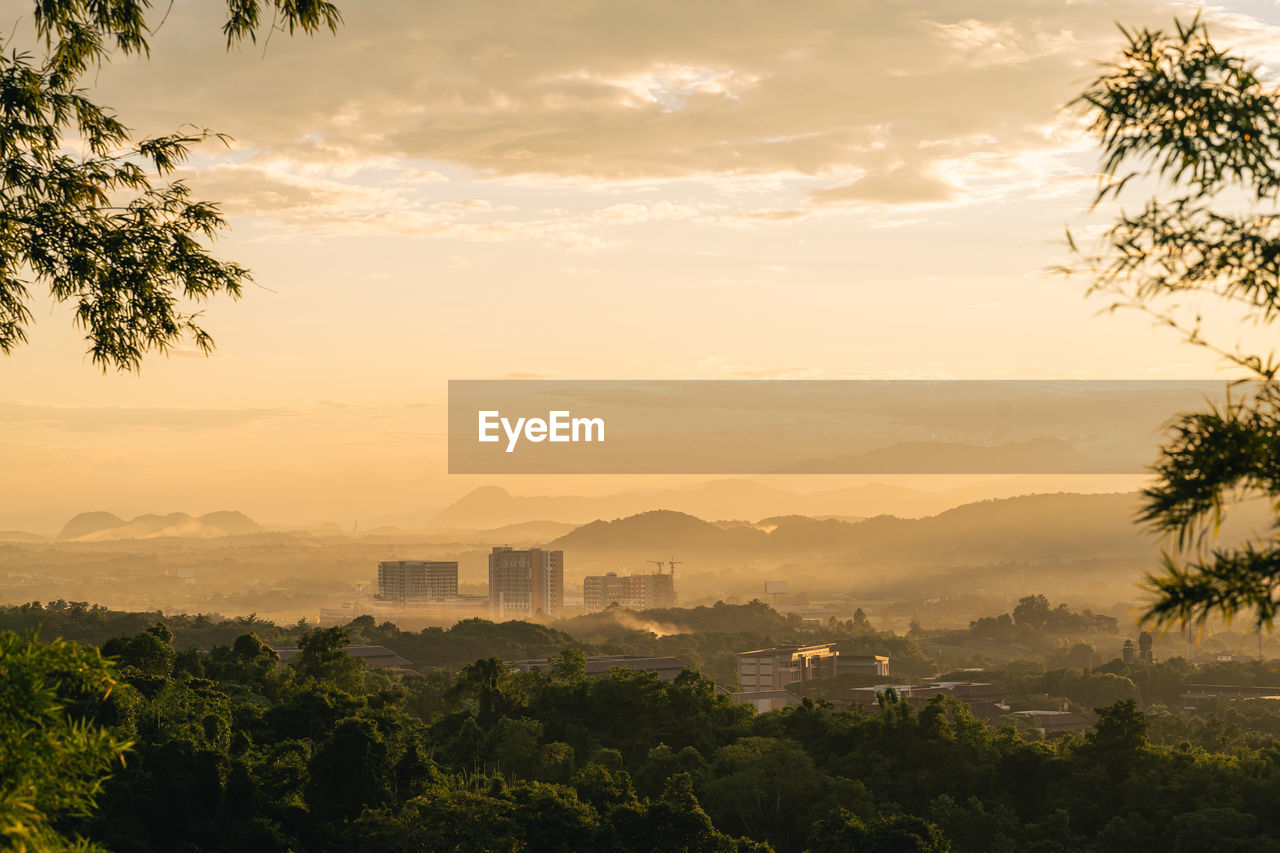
(322, 654)
(569, 666)
(1119, 737)
(106, 231)
(1033, 610)
(150, 652)
(886, 834)
(52, 765)
(1200, 123)
(762, 786)
(350, 771)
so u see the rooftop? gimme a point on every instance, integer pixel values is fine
(601, 664)
(372, 655)
(783, 650)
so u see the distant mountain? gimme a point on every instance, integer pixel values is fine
(20, 536)
(104, 526)
(659, 529)
(88, 523)
(1030, 528)
(491, 506)
(530, 531)
(1035, 456)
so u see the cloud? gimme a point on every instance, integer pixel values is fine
(297, 196)
(98, 418)
(872, 99)
(899, 185)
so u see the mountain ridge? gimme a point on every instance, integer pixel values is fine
(102, 526)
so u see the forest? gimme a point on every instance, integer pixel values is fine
(134, 732)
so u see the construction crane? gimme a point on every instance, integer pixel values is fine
(673, 562)
(658, 563)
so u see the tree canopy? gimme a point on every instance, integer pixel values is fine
(106, 230)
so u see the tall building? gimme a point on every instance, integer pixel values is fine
(634, 592)
(599, 591)
(417, 580)
(525, 583)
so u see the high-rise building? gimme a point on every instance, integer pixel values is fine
(417, 580)
(525, 583)
(599, 591)
(634, 592)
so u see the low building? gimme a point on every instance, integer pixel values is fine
(863, 665)
(408, 615)
(1055, 722)
(666, 668)
(774, 669)
(1195, 695)
(970, 692)
(379, 656)
(765, 701)
(870, 696)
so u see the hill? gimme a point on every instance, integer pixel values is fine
(1033, 527)
(105, 526)
(1036, 456)
(88, 523)
(488, 507)
(20, 536)
(659, 529)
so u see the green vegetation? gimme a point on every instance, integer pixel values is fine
(232, 751)
(708, 637)
(98, 230)
(1034, 616)
(1201, 124)
(53, 754)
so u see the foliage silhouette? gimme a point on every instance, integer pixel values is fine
(106, 231)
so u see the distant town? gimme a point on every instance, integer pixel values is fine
(528, 585)
(523, 584)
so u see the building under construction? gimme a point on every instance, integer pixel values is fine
(633, 592)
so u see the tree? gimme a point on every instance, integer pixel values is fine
(897, 833)
(350, 771)
(322, 655)
(105, 231)
(1032, 610)
(150, 652)
(569, 666)
(52, 764)
(762, 787)
(1201, 123)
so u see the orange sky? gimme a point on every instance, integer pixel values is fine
(585, 190)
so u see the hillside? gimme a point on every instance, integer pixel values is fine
(1034, 527)
(1035, 456)
(491, 506)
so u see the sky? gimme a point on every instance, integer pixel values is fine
(582, 190)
